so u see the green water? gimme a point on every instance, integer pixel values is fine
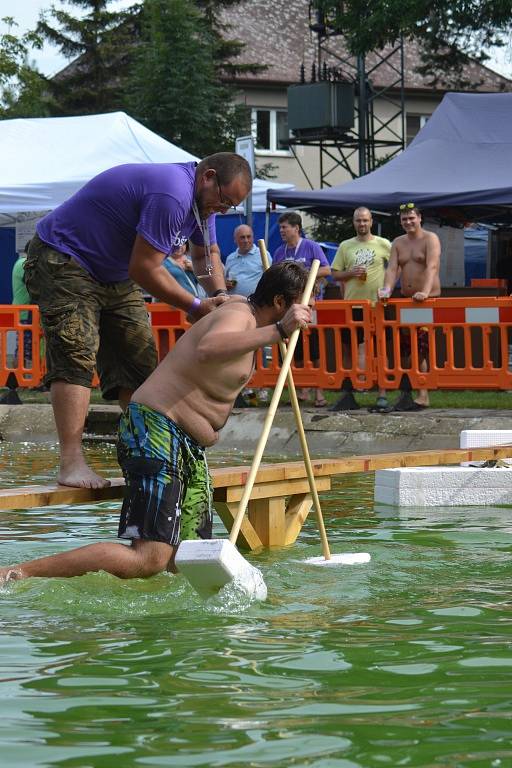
(406, 661)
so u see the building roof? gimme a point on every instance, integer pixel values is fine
(276, 33)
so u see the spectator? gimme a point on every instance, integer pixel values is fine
(243, 267)
(20, 296)
(179, 266)
(297, 248)
(242, 270)
(415, 259)
(359, 266)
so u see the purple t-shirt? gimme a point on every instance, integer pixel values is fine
(305, 252)
(98, 225)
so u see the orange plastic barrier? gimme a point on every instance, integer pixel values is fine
(488, 282)
(168, 324)
(452, 343)
(444, 343)
(328, 352)
(20, 345)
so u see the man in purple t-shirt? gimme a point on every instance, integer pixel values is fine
(297, 248)
(85, 266)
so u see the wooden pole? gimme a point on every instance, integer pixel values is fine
(285, 365)
(300, 429)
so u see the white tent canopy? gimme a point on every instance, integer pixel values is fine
(46, 160)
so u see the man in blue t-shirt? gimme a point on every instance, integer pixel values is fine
(85, 266)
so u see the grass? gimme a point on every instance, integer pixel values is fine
(450, 399)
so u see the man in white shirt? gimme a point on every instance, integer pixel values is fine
(243, 267)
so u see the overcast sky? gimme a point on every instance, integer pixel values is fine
(49, 61)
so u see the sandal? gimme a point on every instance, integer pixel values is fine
(321, 403)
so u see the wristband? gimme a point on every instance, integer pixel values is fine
(281, 330)
(219, 292)
(194, 306)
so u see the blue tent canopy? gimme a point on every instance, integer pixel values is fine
(458, 166)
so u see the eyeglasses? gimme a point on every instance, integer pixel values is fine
(407, 206)
(224, 201)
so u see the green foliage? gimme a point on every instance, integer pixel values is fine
(17, 76)
(449, 31)
(27, 96)
(177, 87)
(334, 229)
(100, 42)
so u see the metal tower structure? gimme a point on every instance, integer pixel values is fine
(374, 138)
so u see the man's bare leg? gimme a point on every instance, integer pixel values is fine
(423, 398)
(70, 405)
(141, 559)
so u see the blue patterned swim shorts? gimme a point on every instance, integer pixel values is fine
(168, 494)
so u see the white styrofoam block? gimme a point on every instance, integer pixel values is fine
(210, 564)
(482, 438)
(443, 486)
(342, 558)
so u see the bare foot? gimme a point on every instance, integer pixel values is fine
(81, 476)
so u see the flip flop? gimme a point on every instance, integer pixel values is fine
(320, 403)
(381, 409)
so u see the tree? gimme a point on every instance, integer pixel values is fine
(178, 87)
(101, 43)
(17, 76)
(449, 31)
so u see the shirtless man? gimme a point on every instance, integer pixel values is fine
(415, 259)
(171, 417)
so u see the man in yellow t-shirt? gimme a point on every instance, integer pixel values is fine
(359, 266)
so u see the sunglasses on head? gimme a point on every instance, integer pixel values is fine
(407, 206)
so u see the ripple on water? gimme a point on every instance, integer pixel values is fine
(348, 667)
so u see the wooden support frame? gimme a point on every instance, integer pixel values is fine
(276, 511)
(280, 501)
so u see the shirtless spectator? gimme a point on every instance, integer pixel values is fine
(415, 259)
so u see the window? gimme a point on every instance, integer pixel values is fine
(270, 130)
(413, 125)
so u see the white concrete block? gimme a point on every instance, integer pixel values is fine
(443, 486)
(482, 438)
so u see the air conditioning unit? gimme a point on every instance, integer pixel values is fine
(322, 108)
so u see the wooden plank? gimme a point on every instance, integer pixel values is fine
(227, 477)
(283, 488)
(46, 495)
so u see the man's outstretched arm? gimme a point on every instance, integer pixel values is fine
(147, 270)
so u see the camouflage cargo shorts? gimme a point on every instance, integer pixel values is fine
(89, 325)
